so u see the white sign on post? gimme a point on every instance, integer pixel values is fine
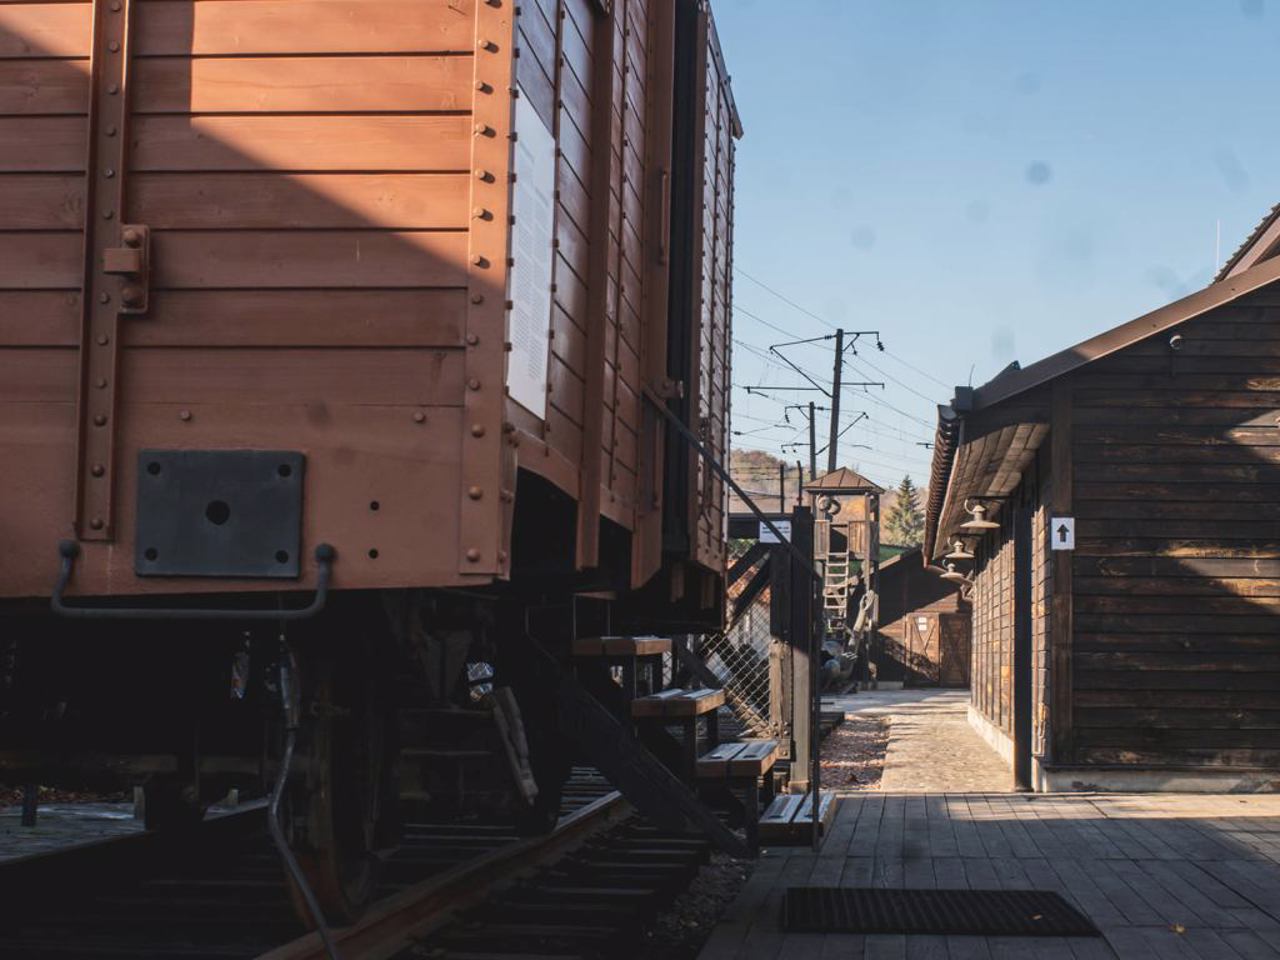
(529, 284)
(1062, 533)
(784, 528)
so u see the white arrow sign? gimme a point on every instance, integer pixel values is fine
(1062, 533)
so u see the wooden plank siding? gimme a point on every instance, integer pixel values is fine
(907, 591)
(327, 186)
(1176, 660)
(604, 166)
(1154, 643)
(310, 246)
(44, 70)
(714, 283)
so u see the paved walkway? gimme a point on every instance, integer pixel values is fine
(63, 824)
(932, 748)
(1161, 875)
(60, 825)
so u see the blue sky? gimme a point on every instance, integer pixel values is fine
(981, 181)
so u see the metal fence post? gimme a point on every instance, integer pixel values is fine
(803, 655)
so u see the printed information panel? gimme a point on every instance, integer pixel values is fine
(533, 208)
(784, 528)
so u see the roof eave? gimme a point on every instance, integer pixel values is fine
(1171, 315)
(945, 442)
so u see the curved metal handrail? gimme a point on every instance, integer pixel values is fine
(69, 550)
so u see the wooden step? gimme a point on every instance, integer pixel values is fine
(745, 759)
(677, 704)
(446, 753)
(620, 646)
(789, 819)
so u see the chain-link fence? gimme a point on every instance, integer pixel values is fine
(748, 659)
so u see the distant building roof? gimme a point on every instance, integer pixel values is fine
(842, 480)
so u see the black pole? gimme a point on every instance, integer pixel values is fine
(815, 721)
(800, 633)
(835, 401)
(813, 444)
(782, 488)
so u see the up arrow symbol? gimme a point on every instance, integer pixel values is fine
(1062, 533)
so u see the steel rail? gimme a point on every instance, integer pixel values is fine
(391, 925)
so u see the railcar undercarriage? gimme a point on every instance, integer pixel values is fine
(401, 701)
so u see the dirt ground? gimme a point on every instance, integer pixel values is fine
(680, 932)
(853, 755)
(852, 760)
(12, 796)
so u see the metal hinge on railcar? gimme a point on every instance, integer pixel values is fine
(132, 262)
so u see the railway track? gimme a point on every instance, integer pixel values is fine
(451, 891)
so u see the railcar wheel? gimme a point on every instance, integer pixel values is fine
(341, 816)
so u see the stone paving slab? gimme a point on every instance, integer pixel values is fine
(1161, 875)
(932, 748)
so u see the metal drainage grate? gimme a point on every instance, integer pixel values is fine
(988, 913)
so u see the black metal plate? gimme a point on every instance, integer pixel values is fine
(219, 513)
(983, 913)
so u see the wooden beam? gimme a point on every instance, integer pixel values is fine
(1061, 625)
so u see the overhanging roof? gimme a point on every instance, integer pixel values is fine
(1218, 294)
(987, 468)
(973, 465)
(842, 480)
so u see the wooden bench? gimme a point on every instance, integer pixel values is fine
(789, 819)
(680, 708)
(742, 765)
(677, 705)
(621, 646)
(639, 658)
(736, 761)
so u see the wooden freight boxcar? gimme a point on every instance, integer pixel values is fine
(338, 296)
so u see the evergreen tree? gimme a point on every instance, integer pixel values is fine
(904, 523)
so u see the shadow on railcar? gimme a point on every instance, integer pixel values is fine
(380, 680)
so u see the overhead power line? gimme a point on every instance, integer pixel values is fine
(914, 369)
(785, 299)
(823, 320)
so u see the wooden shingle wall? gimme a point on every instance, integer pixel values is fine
(992, 672)
(1041, 594)
(994, 607)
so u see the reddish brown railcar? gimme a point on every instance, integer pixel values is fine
(706, 130)
(324, 192)
(368, 296)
